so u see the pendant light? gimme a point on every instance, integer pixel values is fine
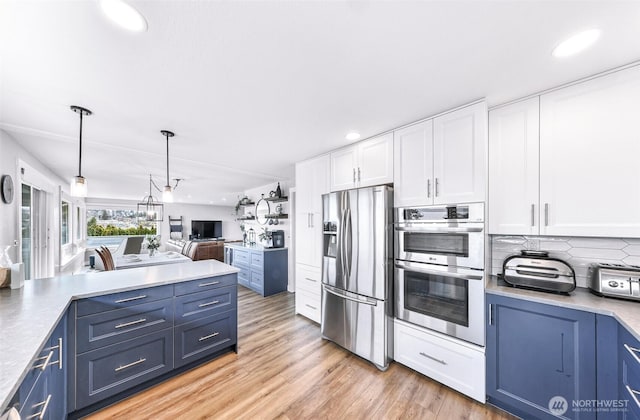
(167, 193)
(79, 183)
(150, 209)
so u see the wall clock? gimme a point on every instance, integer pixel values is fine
(6, 188)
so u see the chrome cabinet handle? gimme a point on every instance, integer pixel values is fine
(633, 394)
(313, 280)
(442, 362)
(311, 214)
(202, 305)
(634, 352)
(137, 362)
(47, 359)
(312, 307)
(358, 174)
(128, 324)
(213, 283)
(533, 215)
(130, 299)
(546, 214)
(429, 188)
(59, 361)
(354, 175)
(45, 405)
(437, 185)
(206, 337)
(491, 314)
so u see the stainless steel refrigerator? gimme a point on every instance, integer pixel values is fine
(357, 282)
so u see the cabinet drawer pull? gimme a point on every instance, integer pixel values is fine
(59, 348)
(45, 405)
(634, 352)
(313, 280)
(546, 214)
(202, 305)
(429, 188)
(533, 214)
(212, 283)
(354, 175)
(131, 299)
(358, 174)
(47, 359)
(312, 307)
(128, 324)
(206, 337)
(633, 394)
(437, 186)
(442, 362)
(137, 362)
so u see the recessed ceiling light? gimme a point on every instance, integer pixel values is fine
(352, 136)
(576, 43)
(224, 198)
(124, 15)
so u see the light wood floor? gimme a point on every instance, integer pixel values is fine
(284, 370)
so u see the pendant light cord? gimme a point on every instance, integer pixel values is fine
(168, 185)
(80, 152)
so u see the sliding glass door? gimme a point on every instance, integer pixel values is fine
(35, 232)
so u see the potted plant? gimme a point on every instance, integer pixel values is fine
(153, 243)
(266, 237)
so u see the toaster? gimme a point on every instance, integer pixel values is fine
(536, 270)
(615, 280)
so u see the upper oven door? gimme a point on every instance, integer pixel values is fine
(460, 245)
(445, 299)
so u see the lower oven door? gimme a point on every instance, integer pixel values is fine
(446, 299)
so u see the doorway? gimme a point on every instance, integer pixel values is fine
(35, 232)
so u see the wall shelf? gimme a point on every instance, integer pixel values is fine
(276, 216)
(246, 218)
(250, 203)
(276, 199)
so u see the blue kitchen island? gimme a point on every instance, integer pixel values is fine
(74, 344)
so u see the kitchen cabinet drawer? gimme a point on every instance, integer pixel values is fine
(201, 285)
(257, 281)
(308, 305)
(198, 305)
(122, 300)
(629, 353)
(257, 260)
(99, 330)
(457, 365)
(107, 371)
(308, 280)
(244, 278)
(241, 257)
(38, 402)
(205, 336)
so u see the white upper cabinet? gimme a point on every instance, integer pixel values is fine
(459, 155)
(513, 168)
(367, 163)
(443, 160)
(589, 154)
(312, 180)
(413, 165)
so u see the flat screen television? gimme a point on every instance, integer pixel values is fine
(206, 229)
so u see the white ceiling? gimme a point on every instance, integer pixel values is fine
(250, 87)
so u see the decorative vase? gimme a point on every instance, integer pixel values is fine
(152, 252)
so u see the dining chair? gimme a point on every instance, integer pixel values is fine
(107, 258)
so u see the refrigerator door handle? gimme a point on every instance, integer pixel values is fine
(341, 244)
(348, 241)
(345, 297)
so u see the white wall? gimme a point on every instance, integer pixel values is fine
(11, 154)
(230, 228)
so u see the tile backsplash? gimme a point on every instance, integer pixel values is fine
(578, 252)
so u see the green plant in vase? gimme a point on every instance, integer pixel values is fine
(153, 243)
(266, 236)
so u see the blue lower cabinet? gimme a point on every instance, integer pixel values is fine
(109, 370)
(541, 359)
(244, 277)
(36, 405)
(120, 300)
(205, 336)
(629, 383)
(106, 328)
(257, 281)
(198, 305)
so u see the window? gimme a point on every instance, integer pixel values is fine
(77, 223)
(65, 226)
(108, 226)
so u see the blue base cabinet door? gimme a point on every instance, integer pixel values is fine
(541, 360)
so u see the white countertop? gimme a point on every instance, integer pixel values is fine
(29, 315)
(144, 260)
(625, 311)
(253, 247)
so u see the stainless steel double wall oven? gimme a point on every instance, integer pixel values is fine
(439, 269)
